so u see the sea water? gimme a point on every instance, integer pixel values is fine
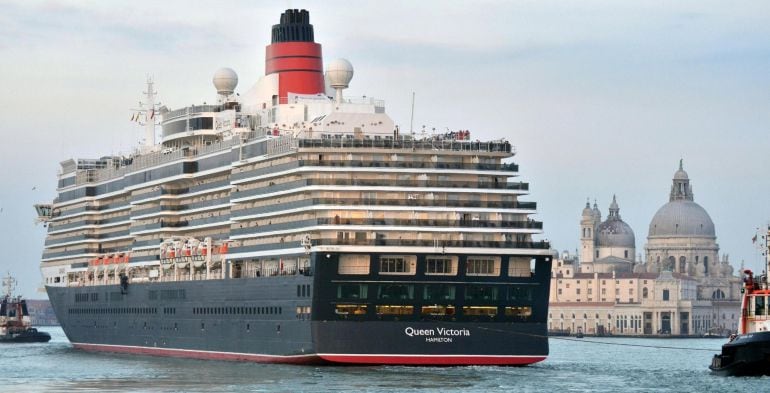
(574, 365)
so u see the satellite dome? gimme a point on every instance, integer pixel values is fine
(225, 80)
(339, 72)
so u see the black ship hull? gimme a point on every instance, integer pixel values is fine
(744, 355)
(268, 319)
(30, 335)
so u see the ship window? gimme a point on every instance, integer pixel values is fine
(437, 310)
(395, 292)
(480, 292)
(759, 302)
(397, 264)
(353, 264)
(395, 310)
(519, 267)
(521, 313)
(483, 266)
(438, 292)
(352, 291)
(480, 311)
(346, 311)
(441, 265)
(520, 293)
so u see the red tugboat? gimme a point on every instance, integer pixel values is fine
(748, 352)
(15, 324)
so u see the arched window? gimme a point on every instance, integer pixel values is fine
(597, 253)
(671, 264)
(644, 292)
(718, 294)
(682, 265)
(706, 264)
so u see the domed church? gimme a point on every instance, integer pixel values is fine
(682, 239)
(606, 246)
(681, 288)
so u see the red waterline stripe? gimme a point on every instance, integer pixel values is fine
(444, 360)
(193, 354)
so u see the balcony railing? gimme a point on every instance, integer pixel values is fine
(449, 204)
(540, 245)
(381, 183)
(410, 144)
(431, 223)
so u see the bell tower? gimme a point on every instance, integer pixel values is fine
(587, 229)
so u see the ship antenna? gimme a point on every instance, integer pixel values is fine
(149, 126)
(147, 108)
(767, 256)
(9, 284)
(411, 121)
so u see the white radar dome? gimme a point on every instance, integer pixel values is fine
(225, 80)
(339, 72)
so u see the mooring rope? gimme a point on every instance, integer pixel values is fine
(581, 340)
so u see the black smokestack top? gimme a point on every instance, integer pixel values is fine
(294, 27)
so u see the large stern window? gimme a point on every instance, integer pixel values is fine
(397, 264)
(483, 266)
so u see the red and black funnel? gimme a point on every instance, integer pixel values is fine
(294, 56)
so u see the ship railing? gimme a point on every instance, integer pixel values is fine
(298, 99)
(138, 162)
(404, 143)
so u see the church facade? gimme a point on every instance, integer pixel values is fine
(681, 287)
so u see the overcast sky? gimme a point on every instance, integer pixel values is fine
(599, 97)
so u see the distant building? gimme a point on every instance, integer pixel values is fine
(41, 313)
(681, 288)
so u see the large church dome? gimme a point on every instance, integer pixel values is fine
(681, 216)
(614, 232)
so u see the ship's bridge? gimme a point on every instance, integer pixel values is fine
(203, 124)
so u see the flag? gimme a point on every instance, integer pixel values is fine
(152, 114)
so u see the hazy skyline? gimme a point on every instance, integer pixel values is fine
(599, 98)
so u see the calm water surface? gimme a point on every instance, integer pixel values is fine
(573, 366)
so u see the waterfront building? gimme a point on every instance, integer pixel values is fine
(682, 287)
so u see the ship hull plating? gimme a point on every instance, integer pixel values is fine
(260, 320)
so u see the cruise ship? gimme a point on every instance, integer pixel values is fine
(290, 223)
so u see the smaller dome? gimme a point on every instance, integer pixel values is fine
(339, 72)
(615, 233)
(225, 80)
